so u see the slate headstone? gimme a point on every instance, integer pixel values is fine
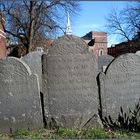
(103, 62)
(120, 85)
(138, 53)
(33, 60)
(69, 84)
(20, 105)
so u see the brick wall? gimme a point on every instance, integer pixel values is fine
(2, 38)
(99, 47)
(124, 47)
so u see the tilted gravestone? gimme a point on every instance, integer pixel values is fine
(19, 96)
(69, 84)
(120, 85)
(103, 62)
(33, 60)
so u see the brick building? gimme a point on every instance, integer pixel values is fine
(2, 37)
(118, 49)
(97, 42)
(125, 47)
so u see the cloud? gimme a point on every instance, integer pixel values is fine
(113, 39)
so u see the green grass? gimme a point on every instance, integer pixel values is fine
(70, 134)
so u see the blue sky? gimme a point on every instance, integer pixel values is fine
(92, 18)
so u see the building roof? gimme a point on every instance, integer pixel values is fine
(98, 36)
(88, 36)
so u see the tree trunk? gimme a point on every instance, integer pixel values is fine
(31, 30)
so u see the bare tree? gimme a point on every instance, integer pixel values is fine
(28, 19)
(125, 22)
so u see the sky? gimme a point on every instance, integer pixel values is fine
(92, 18)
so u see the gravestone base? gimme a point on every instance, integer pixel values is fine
(74, 121)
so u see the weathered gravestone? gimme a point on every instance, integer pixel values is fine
(104, 61)
(138, 53)
(120, 85)
(33, 60)
(69, 84)
(19, 96)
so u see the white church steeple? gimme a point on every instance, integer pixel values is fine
(68, 27)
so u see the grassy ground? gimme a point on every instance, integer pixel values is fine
(70, 134)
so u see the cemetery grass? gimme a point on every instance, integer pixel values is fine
(70, 134)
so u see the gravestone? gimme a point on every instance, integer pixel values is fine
(19, 96)
(69, 84)
(138, 53)
(33, 60)
(103, 62)
(120, 85)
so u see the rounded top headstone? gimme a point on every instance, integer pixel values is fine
(68, 44)
(33, 55)
(138, 53)
(120, 86)
(19, 94)
(15, 64)
(126, 62)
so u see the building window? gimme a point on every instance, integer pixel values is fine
(101, 52)
(100, 45)
(40, 49)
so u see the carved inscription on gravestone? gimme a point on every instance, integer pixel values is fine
(19, 97)
(120, 85)
(70, 87)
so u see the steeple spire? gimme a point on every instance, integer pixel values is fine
(68, 27)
